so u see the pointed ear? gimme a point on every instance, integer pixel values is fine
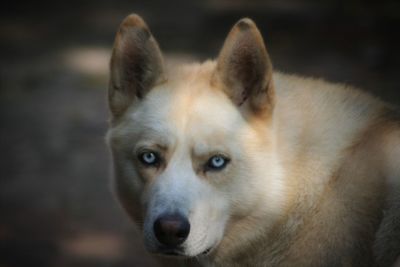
(244, 68)
(136, 64)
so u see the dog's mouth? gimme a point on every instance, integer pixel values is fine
(171, 253)
(176, 252)
(207, 251)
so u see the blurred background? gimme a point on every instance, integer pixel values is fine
(56, 208)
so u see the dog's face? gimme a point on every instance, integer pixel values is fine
(192, 148)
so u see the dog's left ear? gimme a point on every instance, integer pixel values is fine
(244, 68)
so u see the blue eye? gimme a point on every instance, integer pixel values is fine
(217, 162)
(149, 158)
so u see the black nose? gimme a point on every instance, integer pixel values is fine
(171, 229)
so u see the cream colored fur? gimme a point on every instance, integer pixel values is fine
(314, 177)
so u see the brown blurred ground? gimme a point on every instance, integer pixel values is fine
(56, 208)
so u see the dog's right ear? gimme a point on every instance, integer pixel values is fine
(136, 64)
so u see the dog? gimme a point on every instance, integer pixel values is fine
(230, 163)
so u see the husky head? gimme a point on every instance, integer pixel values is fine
(192, 146)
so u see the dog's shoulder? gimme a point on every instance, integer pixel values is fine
(351, 140)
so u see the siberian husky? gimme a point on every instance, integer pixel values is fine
(234, 164)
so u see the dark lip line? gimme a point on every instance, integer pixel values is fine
(206, 251)
(170, 252)
(178, 252)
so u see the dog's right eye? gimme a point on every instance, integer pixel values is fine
(149, 158)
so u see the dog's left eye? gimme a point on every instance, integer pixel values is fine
(149, 158)
(217, 162)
